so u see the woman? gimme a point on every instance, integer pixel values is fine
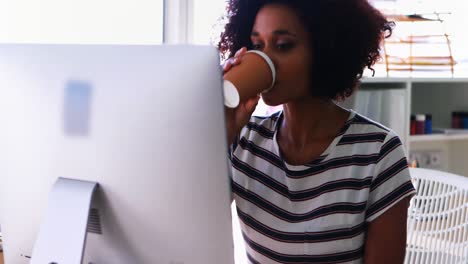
(314, 183)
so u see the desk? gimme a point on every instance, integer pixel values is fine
(1, 258)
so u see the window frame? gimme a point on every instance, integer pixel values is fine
(178, 21)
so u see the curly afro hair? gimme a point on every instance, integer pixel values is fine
(346, 38)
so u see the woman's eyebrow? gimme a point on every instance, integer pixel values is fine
(276, 32)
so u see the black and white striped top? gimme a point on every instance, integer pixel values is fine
(315, 213)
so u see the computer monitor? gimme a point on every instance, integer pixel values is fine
(144, 122)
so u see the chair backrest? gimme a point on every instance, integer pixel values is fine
(438, 218)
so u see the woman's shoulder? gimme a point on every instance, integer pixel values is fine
(363, 125)
(267, 121)
(370, 136)
(274, 117)
(261, 127)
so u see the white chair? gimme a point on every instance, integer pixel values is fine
(437, 218)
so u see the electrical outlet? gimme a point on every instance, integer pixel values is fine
(435, 159)
(432, 159)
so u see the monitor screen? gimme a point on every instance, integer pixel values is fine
(144, 122)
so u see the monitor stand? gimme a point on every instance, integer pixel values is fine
(62, 234)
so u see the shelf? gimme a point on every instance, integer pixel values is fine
(437, 137)
(414, 79)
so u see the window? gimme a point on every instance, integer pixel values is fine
(82, 22)
(208, 21)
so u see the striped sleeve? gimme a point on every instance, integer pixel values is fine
(232, 148)
(391, 182)
(243, 133)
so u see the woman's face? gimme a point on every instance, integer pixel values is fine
(279, 33)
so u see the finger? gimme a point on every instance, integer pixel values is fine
(242, 51)
(233, 62)
(238, 58)
(237, 53)
(227, 65)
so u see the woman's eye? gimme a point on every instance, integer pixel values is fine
(257, 46)
(284, 46)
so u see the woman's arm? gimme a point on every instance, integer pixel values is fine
(386, 236)
(390, 193)
(237, 118)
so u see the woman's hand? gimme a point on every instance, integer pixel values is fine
(231, 62)
(237, 118)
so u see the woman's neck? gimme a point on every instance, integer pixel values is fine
(311, 120)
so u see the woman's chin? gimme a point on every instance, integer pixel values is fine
(270, 98)
(269, 101)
